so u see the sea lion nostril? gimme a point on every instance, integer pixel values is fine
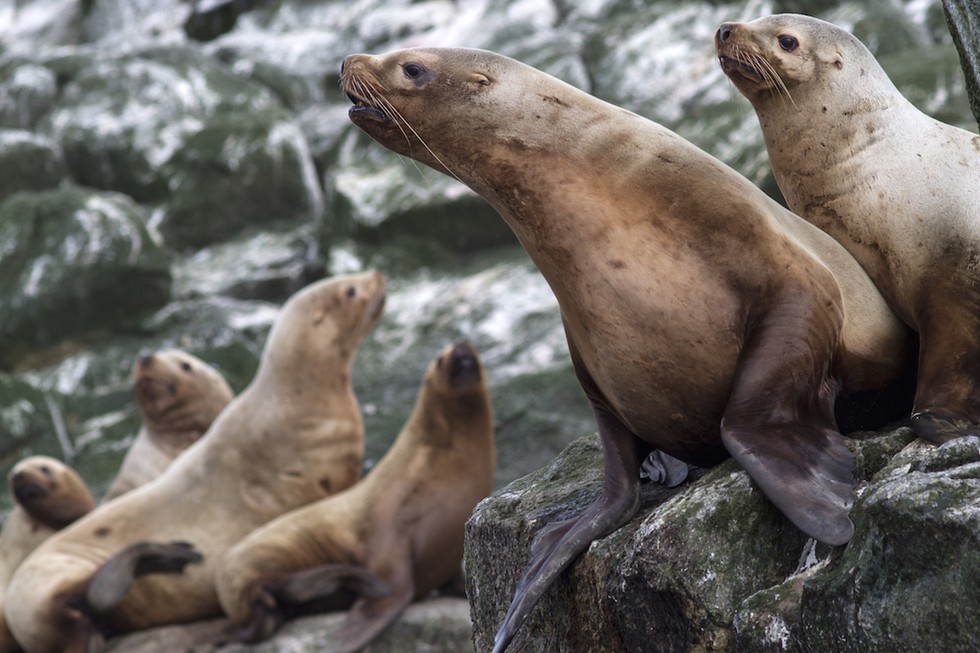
(724, 32)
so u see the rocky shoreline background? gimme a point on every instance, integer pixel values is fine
(171, 171)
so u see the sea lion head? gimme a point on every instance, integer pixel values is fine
(454, 398)
(325, 323)
(769, 57)
(457, 369)
(456, 109)
(177, 391)
(49, 491)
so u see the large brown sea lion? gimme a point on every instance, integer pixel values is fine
(179, 396)
(394, 536)
(703, 319)
(293, 436)
(900, 190)
(48, 495)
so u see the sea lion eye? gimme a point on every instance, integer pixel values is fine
(185, 366)
(413, 70)
(351, 291)
(788, 43)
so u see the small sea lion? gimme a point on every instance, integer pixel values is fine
(293, 436)
(48, 495)
(179, 396)
(394, 536)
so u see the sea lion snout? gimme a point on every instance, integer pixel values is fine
(464, 365)
(25, 489)
(724, 32)
(145, 359)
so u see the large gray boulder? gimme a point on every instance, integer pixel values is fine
(964, 24)
(712, 566)
(74, 262)
(28, 161)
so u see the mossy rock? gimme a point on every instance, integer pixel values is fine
(28, 161)
(73, 263)
(120, 119)
(239, 170)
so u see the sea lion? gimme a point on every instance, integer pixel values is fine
(900, 190)
(48, 495)
(179, 396)
(294, 435)
(394, 536)
(703, 319)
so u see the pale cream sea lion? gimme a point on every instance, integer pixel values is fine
(179, 396)
(900, 190)
(703, 319)
(293, 436)
(394, 536)
(48, 495)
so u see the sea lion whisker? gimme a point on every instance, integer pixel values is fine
(396, 117)
(421, 140)
(770, 73)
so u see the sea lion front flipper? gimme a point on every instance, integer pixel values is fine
(779, 425)
(371, 615)
(557, 545)
(114, 578)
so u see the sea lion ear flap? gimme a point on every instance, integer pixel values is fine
(479, 79)
(839, 60)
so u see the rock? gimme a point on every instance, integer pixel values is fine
(212, 18)
(24, 419)
(963, 17)
(239, 170)
(434, 625)
(27, 91)
(120, 118)
(712, 566)
(28, 161)
(74, 262)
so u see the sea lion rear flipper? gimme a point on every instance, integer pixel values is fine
(559, 544)
(779, 425)
(112, 581)
(319, 582)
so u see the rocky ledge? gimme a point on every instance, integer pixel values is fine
(712, 566)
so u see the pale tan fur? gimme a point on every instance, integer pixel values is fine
(899, 189)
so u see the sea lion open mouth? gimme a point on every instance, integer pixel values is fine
(364, 108)
(733, 65)
(360, 92)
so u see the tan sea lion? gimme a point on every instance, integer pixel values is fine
(394, 536)
(179, 396)
(48, 495)
(294, 435)
(900, 190)
(703, 319)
